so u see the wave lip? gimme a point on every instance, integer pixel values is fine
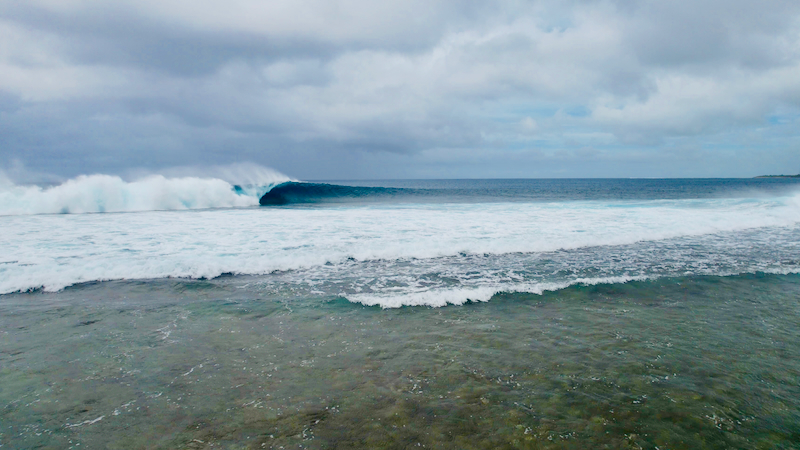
(292, 192)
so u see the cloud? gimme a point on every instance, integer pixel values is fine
(332, 89)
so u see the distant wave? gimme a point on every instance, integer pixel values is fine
(299, 192)
(460, 296)
(109, 193)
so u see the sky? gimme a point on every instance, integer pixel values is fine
(357, 89)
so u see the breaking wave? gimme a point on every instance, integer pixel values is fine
(109, 193)
(390, 253)
(396, 254)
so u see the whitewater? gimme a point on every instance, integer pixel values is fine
(238, 187)
(386, 253)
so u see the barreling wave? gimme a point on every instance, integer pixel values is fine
(109, 193)
(298, 192)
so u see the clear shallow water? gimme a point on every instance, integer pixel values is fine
(626, 313)
(684, 362)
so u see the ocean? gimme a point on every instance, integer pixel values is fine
(273, 313)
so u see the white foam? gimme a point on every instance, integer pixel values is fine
(107, 193)
(54, 251)
(458, 296)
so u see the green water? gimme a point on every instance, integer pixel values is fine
(703, 362)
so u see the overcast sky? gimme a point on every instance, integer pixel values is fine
(328, 89)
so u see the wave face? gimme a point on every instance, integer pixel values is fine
(107, 193)
(297, 192)
(395, 254)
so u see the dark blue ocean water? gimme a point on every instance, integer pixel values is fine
(526, 190)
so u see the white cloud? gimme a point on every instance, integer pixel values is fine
(402, 76)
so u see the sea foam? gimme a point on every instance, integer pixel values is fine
(109, 193)
(460, 296)
(432, 253)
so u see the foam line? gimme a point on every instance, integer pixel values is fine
(442, 297)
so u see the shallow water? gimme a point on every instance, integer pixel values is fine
(678, 362)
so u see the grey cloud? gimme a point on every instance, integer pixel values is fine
(735, 32)
(130, 34)
(116, 38)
